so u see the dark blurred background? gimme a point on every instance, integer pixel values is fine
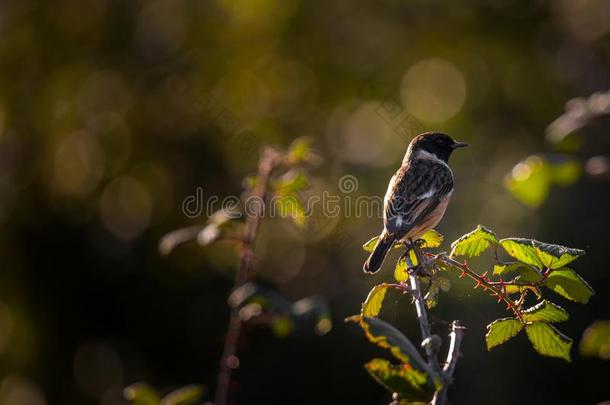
(113, 112)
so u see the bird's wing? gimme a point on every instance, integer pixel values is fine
(413, 193)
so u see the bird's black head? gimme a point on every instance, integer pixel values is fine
(436, 143)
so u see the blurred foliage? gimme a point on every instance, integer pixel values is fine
(596, 340)
(113, 114)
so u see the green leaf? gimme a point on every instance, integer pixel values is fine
(522, 250)
(291, 183)
(141, 394)
(540, 254)
(299, 149)
(400, 271)
(567, 283)
(508, 268)
(474, 243)
(432, 238)
(501, 330)
(409, 383)
(374, 301)
(184, 396)
(548, 341)
(545, 311)
(522, 271)
(596, 340)
(388, 337)
(370, 245)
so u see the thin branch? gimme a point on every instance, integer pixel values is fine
(456, 335)
(267, 163)
(422, 312)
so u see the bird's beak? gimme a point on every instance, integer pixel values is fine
(459, 145)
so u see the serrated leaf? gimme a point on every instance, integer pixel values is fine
(548, 341)
(501, 330)
(596, 340)
(474, 243)
(388, 337)
(400, 270)
(374, 301)
(184, 396)
(567, 283)
(540, 254)
(545, 311)
(409, 383)
(432, 238)
(141, 394)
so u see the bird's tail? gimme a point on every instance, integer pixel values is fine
(375, 260)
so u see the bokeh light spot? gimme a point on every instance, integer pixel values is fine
(434, 90)
(126, 208)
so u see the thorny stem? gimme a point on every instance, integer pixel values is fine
(496, 289)
(268, 162)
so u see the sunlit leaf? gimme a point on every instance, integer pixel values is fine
(400, 271)
(545, 311)
(539, 254)
(188, 395)
(409, 383)
(374, 301)
(141, 394)
(431, 296)
(529, 181)
(474, 243)
(432, 238)
(291, 183)
(596, 340)
(501, 330)
(514, 289)
(548, 341)
(506, 269)
(370, 245)
(567, 283)
(299, 149)
(388, 337)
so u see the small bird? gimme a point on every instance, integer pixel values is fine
(417, 195)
